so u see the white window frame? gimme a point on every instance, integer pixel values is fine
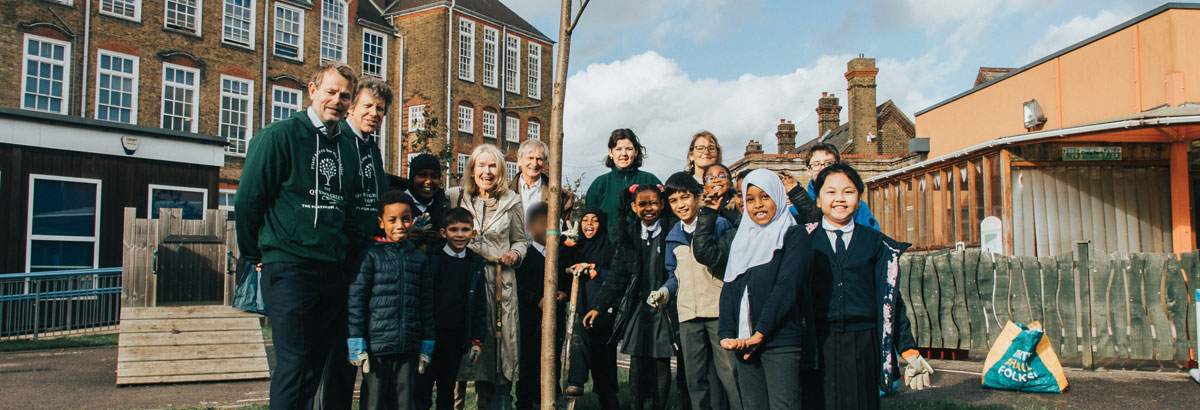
(248, 99)
(198, 20)
(491, 56)
(30, 237)
(325, 18)
(490, 123)
(466, 49)
(466, 119)
(150, 198)
(66, 80)
(512, 128)
(225, 16)
(462, 164)
(512, 64)
(137, 9)
(534, 129)
(511, 170)
(299, 34)
(416, 118)
(219, 194)
(195, 96)
(298, 106)
(534, 69)
(133, 110)
(382, 58)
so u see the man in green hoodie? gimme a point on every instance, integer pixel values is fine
(295, 197)
(364, 118)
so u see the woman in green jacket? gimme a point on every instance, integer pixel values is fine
(625, 155)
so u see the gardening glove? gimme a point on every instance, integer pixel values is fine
(476, 349)
(426, 353)
(916, 373)
(356, 347)
(658, 298)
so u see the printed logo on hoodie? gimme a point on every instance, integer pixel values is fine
(368, 196)
(328, 189)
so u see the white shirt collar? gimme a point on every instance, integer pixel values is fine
(830, 231)
(316, 122)
(650, 231)
(450, 251)
(357, 133)
(421, 206)
(689, 228)
(537, 183)
(539, 247)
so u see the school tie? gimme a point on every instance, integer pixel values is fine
(840, 248)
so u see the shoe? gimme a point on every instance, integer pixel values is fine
(573, 391)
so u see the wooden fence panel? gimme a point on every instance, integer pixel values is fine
(1191, 265)
(1019, 299)
(1107, 291)
(974, 306)
(1175, 299)
(1141, 346)
(947, 299)
(987, 282)
(916, 298)
(1051, 321)
(1003, 294)
(1156, 309)
(1067, 307)
(1119, 305)
(932, 295)
(1033, 287)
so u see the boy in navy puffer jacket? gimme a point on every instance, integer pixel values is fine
(390, 321)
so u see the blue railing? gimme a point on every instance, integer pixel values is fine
(59, 303)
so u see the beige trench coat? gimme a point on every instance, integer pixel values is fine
(496, 235)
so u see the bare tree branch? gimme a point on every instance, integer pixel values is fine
(582, 5)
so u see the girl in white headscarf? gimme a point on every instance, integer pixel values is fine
(765, 311)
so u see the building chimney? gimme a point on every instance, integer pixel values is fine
(828, 114)
(785, 135)
(860, 79)
(753, 147)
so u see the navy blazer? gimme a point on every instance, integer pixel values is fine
(780, 301)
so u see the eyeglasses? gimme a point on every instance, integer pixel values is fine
(820, 165)
(710, 149)
(715, 178)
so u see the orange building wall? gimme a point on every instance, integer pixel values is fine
(1096, 82)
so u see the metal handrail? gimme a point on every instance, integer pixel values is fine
(58, 273)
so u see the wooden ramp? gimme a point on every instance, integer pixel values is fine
(189, 344)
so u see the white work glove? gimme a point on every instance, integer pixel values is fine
(658, 298)
(476, 350)
(916, 373)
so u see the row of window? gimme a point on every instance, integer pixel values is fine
(491, 50)
(237, 27)
(512, 125)
(511, 169)
(46, 70)
(64, 218)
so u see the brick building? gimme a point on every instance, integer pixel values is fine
(480, 69)
(875, 139)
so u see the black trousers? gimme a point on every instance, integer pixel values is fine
(770, 380)
(302, 302)
(591, 352)
(336, 390)
(649, 382)
(390, 383)
(441, 372)
(529, 384)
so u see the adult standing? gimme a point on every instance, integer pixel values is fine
(625, 155)
(364, 117)
(294, 200)
(703, 152)
(821, 156)
(501, 239)
(533, 185)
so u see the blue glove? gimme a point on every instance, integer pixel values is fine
(427, 347)
(355, 346)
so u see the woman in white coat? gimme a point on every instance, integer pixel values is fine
(500, 238)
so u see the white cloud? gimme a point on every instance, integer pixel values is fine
(664, 106)
(1077, 29)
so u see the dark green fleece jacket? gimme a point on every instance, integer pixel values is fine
(296, 192)
(372, 182)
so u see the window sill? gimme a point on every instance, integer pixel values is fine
(191, 34)
(299, 61)
(236, 46)
(121, 18)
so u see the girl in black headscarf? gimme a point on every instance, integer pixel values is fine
(590, 348)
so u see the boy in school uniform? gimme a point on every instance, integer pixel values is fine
(390, 326)
(530, 285)
(424, 186)
(459, 309)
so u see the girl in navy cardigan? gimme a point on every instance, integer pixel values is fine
(765, 312)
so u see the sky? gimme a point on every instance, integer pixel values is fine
(669, 68)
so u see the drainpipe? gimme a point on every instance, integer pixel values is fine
(399, 117)
(87, 31)
(502, 49)
(263, 113)
(450, 29)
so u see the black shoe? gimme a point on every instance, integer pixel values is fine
(573, 391)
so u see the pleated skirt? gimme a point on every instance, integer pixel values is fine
(849, 370)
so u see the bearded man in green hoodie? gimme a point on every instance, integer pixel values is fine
(296, 194)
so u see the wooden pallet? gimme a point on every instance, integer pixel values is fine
(189, 344)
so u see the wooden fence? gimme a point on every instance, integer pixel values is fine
(173, 261)
(1139, 304)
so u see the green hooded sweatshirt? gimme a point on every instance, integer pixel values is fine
(280, 217)
(372, 183)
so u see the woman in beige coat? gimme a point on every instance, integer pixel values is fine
(500, 238)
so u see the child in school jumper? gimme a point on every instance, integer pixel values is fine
(765, 311)
(424, 186)
(639, 268)
(860, 318)
(720, 187)
(697, 295)
(389, 316)
(590, 346)
(459, 309)
(530, 284)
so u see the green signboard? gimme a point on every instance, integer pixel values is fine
(1091, 153)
